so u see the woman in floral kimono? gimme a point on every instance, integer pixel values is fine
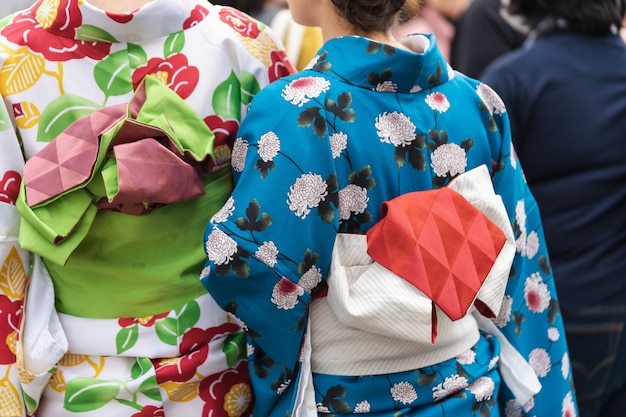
(381, 247)
(116, 140)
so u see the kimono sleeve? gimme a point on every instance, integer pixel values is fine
(269, 248)
(14, 262)
(530, 317)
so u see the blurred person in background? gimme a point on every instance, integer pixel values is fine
(483, 33)
(565, 91)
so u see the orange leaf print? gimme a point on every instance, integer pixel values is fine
(10, 403)
(27, 114)
(13, 276)
(21, 70)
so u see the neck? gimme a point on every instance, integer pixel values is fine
(118, 6)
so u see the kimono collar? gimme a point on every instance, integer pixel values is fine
(81, 21)
(384, 68)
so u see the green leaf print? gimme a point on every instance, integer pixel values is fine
(249, 87)
(60, 113)
(136, 56)
(88, 394)
(30, 403)
(150, 388)
(91, 33)
(235, 349)
(226, 99)
(126, 338)
(141, 367)
(5, 122)
(167, 330)
(188, 315)
(112, 74)
(174, 44)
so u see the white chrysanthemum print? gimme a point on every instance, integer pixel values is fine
(449, 158)
(206, 271)
(302, 90)
(451, 385)
(285, 294)
(225, 212)
(513, 409)
(313, 62)
(451, 72)
(395, 128)
(513, 157)
(308, 192)
(532, 244)
(504, 315)
(269, 146)
(310, 278)
(482, 388)
(283, 386)
(438, 102)
(539, 359)
(565, 365)
(237, 320)
(416, 89)
(267, 253)
(220, 248)
(338, 142)
(491, 99)
(249, 349)
(404, 392)
(352, 199)
(520, 214)
(493, 362)
(536, 293)
(238, 158)
(322, 409)
(387, 87)
(467, 358)
(362, 407)
(568, 409)
(554, 334)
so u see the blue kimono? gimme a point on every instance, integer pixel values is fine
(316, 157)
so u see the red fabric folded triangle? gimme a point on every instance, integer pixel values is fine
(440, 243)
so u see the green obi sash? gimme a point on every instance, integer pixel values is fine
(116, 206)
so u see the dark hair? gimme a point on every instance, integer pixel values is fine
(590, 17)
(370, 15)
(410, 9)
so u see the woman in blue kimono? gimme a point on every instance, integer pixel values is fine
(330, 165)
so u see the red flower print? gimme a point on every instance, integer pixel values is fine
(150, 411)
(143, 321)
(10, 187)
(280, 66)
(228, 394)
(197, 15)
(120, 17)
(175, 72)
(10, 317)
(195, 350)
(50, 30)
(225, 131)
(240, 22)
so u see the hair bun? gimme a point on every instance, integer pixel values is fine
(370, 15)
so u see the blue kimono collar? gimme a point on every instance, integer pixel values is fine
(383, 68)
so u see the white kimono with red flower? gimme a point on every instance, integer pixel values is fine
(115, 321)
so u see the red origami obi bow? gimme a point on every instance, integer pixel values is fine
(441, 244)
